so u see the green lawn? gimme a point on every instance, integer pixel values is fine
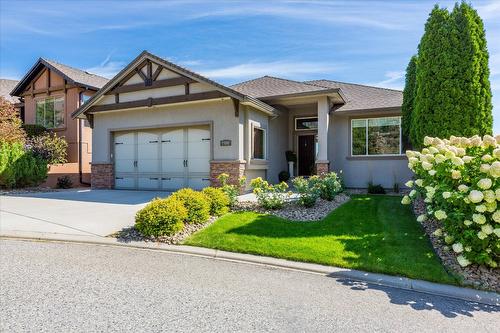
(372, 233)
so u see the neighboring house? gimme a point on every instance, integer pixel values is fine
(6, 86)
(161, 126)
(51, 92)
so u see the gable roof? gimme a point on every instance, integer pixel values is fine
(269, 86)
(72, 75)
(6, 87)
(244, 99)
(362, 97)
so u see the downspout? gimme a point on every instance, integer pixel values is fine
(80, 146)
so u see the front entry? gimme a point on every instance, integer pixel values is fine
(306, 158)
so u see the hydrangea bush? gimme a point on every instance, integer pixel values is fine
(459, 181)
(270, 196)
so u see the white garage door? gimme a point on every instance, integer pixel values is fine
(166, 159)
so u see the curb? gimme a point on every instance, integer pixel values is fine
(465, 294)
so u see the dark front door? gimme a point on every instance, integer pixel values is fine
(306, 154)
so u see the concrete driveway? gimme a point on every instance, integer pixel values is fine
(73, 212)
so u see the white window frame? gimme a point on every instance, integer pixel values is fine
(305, 129)
(366, 135)
(264, 139)
(54, 97)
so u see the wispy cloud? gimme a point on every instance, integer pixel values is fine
(275, 68)
(107, 67)
(394, 80)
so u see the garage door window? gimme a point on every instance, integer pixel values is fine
(259, 143)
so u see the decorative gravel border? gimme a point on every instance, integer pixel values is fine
(473, 275)
(28, 190)
(294, 212)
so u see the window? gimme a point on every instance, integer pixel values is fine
(259, 143)
(50, 112)
(376, 136)
(84, 98)
(306, 123)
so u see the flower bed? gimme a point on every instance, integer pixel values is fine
(458, 180)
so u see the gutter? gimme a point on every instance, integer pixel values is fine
(80, 147)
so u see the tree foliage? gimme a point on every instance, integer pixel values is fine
(10, 123)
(453, 94)
(409, 93)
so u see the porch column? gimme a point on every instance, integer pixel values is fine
(322, 163)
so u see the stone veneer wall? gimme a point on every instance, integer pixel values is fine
(102, 176)
(322, 168)
(235, 169)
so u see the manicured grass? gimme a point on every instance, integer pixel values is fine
(372, 233)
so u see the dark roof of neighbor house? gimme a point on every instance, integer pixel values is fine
(6, 87)
(359, 97)
(72, 75)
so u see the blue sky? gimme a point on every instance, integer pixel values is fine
(365, 42)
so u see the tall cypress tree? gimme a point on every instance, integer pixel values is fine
(433, 102)
(473, 105)
(453, 89)
(409, 93)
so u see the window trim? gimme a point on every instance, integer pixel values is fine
(264, 144)
(305, 129)
(38, 99)
(366, 155)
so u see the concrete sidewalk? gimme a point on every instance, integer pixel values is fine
(73, 212)
(467, 294)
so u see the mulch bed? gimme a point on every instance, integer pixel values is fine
(294, 212)
(473, 275)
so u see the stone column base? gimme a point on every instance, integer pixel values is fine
(235, 170)
(322, 167)
(102, 176)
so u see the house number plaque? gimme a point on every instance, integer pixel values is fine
(225, 143)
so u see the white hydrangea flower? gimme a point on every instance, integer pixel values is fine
(496, 231)
(426, 165)
(438, 233)
(479, 218)
(497, 194)
(484, 183)
(487, 229)
(496, 153)
(409, 183)
(410, 153)
(457, 161)
(412, 193)
(446, 195)
(462, 261)
(468, 249)
(419, 182)
(428, 140)
(466, 200)
(475, 141)
(467, 159)
(455, 174)
(481, 208)
(449, 154)
(485, 168)
(467, 222)
(425, 151)
(497, 138)
(460, 152)
(437, 141)
(486, 158)
(422, 218)
(458, 247)
(496, 216)
(489, 196)
(476, 196)
(432, 172)
(433, 150)
(449, 239)
(440, 214)
(406, 200)
(491, 206)
(463, 188)
(495, 169)
(488, 140)
(439, 158)
(481, 235)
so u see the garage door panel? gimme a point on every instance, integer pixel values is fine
(124, 152)
(125, 182)
(147, 152)
(198, 183)
(198, 150)
(172, 183)
(148, 182)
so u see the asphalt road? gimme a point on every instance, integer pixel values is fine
(61, 287)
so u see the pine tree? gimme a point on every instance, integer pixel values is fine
(409, 96)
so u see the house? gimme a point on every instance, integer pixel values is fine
(157, 125)
(6, 86)
(51, 92)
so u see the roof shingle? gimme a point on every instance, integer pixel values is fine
(6, 87)
(78, 75)
(268, 86)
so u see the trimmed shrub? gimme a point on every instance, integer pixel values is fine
(161, 217)
(196, 203)
(49, 147)
(330, 185)
(375, 189)
(283, 176)
(64, 182)
(219, 201)
(459, 180)
(232, 191)
(269, 196)
(309, 190)
(33, 130)
(20, 168)
(10, 123)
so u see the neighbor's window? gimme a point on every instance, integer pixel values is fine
(84, 98)
(376, 136)
(306, 123)
(50, 112)
(259, 143)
